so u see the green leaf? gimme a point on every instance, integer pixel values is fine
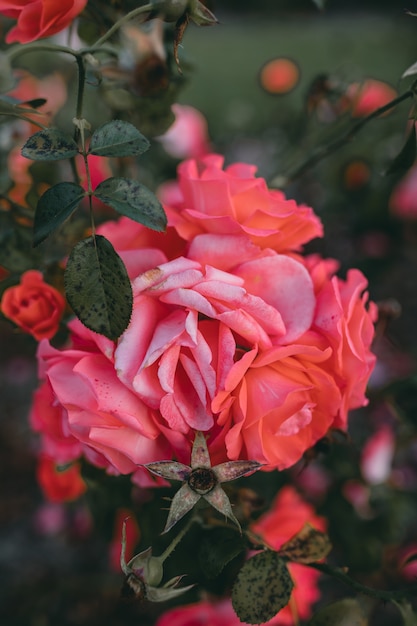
(134, 200)
(54, 207)
(98, 287)
(118, 139)
(345, 612)
(262, 588)
(49, 145)
(218, 547)
(320, 4)
(307, 546)
(407, 155)
(407, 613)
(410, 71)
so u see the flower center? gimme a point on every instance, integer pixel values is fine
(202, 480)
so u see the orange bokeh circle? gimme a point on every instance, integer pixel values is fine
(279, 76)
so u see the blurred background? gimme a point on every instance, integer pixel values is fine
(56, 566)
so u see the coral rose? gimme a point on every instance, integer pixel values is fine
(206, 350)
(34, 306)
(232, 201)
(262, 349)
(39, 18)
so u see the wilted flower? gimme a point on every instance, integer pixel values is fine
(201, 481)
(144, 574)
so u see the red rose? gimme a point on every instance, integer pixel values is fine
(34, 306)
(60, 485)
(39, 18)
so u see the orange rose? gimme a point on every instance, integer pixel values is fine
(34, 306)
(39, 18)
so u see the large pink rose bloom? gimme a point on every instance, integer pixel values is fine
(39, 18)
(232, 201)
(263, 351)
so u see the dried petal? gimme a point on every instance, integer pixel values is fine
(219, 500)
(201, 15)
(200, 455)
(167, 592)
(231, 470)
(182, 502)
(171, 470)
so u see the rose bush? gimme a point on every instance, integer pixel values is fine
(287, 516)
(39, 18)
(33, 305)
(262, 350)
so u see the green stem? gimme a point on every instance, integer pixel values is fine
(19, 50)
(324, 151)
(146, 8)
(379, 594)
(26, 119)
(81, 86)
(170, 549)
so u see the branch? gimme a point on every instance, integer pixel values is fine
(324, 151)
(379, 594)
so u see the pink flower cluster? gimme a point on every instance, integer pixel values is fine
(234, 333)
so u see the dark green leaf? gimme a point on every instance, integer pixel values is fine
(407, 155)
(35, 103)
(49, 145)
(262, 588)
(133, 200)
(54, 207)
(345, 612)
(307, 546)
(217, 549)
(98, 287)
(118, 139)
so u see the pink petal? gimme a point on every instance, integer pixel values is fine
(286, 285)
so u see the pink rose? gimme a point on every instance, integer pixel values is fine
(39, 18)
(365, 98)
(403, 200)
(50, 419)
(34, 306)
(263, 351)
(234, 202)
(345, 320)
(187, 137)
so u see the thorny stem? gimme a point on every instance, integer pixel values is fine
(170, 549)
(146, 8)
(324, 151)
(379, 594)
